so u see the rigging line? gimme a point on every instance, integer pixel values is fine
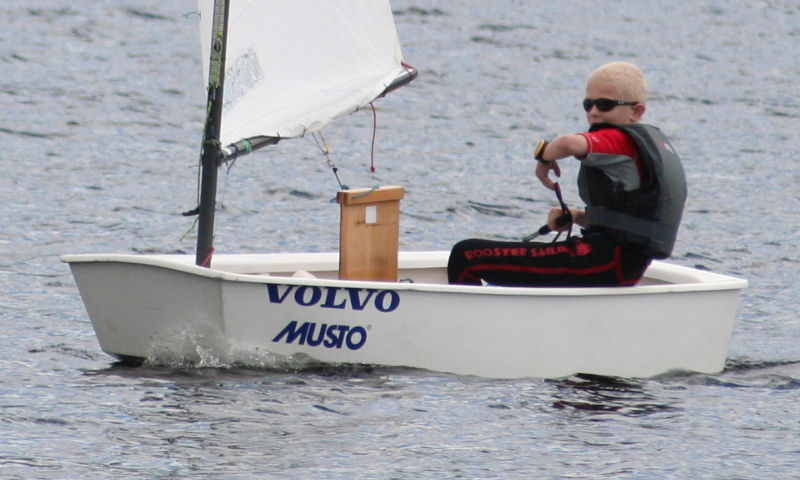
(564, 209)
(322, 144)
(199, 175)
(318, 142)
(374, 132)
(195, 212)
(191, 228)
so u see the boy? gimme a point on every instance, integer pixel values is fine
(631, 181)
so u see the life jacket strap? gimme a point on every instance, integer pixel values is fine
(628, 223)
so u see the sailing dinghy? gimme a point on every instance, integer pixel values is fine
(368, 303)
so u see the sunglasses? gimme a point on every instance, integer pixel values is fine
(604, 104)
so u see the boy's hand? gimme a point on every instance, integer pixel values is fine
(556, 213)
(543, 173)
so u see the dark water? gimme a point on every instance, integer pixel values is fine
(102, 107)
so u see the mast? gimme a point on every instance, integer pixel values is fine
(325, 69)
(211, 148)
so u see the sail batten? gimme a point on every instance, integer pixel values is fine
(295, 66)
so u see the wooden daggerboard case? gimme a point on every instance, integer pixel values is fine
(369, 233)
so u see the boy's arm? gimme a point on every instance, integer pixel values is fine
(572, 145)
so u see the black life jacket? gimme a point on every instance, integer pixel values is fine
(644, 215)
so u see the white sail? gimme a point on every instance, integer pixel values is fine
(292, 66)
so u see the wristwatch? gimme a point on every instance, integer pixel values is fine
(539, 152)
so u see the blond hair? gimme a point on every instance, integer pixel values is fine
(625, 77)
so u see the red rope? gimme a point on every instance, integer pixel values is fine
(207, 261)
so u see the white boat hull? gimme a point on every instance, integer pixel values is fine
(163, 307)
